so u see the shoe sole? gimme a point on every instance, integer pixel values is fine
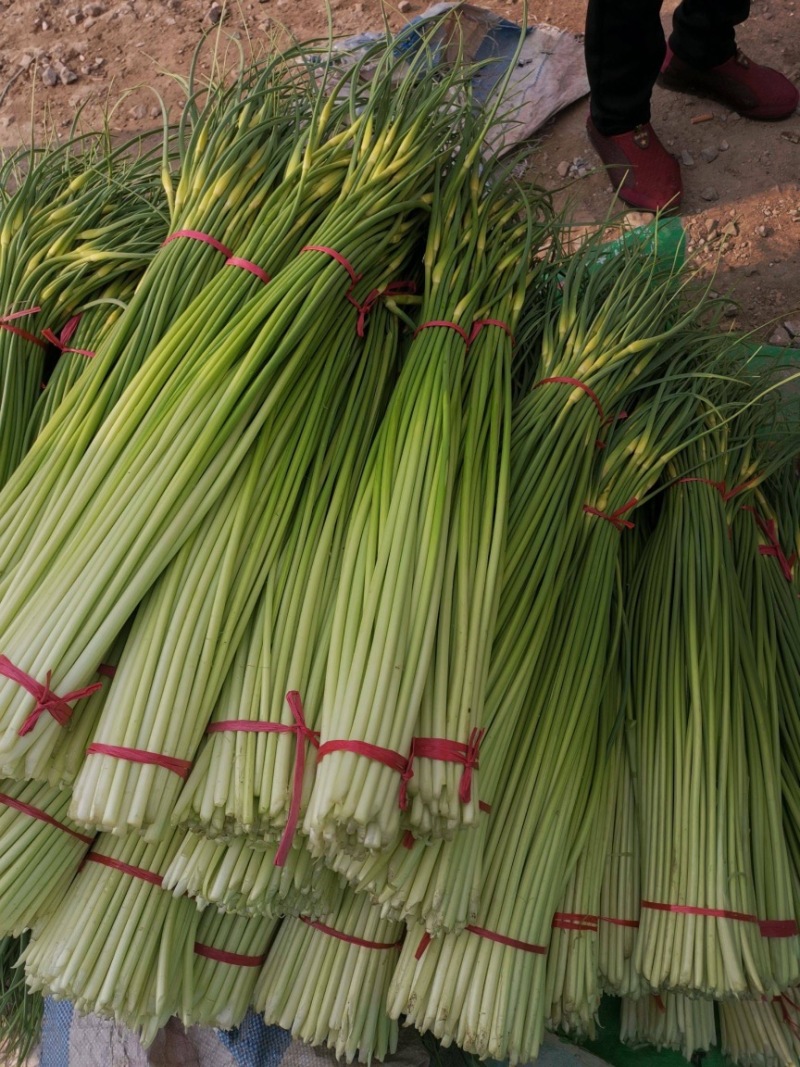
(678, 85)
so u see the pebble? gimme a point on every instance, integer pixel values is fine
(50, 77)
(404, 6)
(780, 337)
(563, 168)
(762, 230)
(730, 311)
(709, 153)
(792, 327)
(687, 159)
(214, 14)
(730, 229)
(93, 10)
(723, 146)
(709, 193)
(138, 112)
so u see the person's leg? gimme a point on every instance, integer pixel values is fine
(624, 50)
(703, 31)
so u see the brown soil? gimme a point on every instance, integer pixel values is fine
(741, 208)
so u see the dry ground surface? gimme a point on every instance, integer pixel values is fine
(742, 179)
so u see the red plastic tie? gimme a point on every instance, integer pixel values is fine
(511, 942)
(770, 531)
(425, 940)
(462, 333)
(771, 928)
(206, 238)
(6, 323)
(303, 734)
(248, 265)
(233, 958)
(782, 999)
(660, 1003)
(409, 840)
(563, 920)
(576, 384)
(42, 816)
(46, 699)
(108, 670)
(387, 756)
(354, 277)
(181, 767)
(126, 868)
(483, 806)
(726, 493)
(633, 923)
(479, 324)
(608, 421)
(347, 937)
(62, 341)
(392, 289)
(614, 516)
(442, 748)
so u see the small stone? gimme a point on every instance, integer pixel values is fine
(155, 112)
(50, 77)
(138, 112)
(723, 146)
(93, 10)
(792, 327)
(25, 60)
(709, 154)
(730, 229)
(563, 168)
(781, 338)
(214, 14)
(45, 25)
(762, 230)
(404, 6)
(687, 159)
(89, 23)
(9, 120)
(65, 75)
(709, 193)
(712, 226)
(730, 311)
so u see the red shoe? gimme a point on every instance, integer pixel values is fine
(754, 91)
(641, 170)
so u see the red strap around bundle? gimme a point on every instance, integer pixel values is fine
(563, 920)
(721, 487)
(770, 928)
(774, 548)
(205, 238)
(303, 735)
(62, 341)
(181, 767)
(355, 278)
(633, 923)
(467, 338)
(42, 816)
(7, 323)
(233, 958)
(126, 868)
(107, 669)
(614, 516)
(46, 699)
(442, 748)
(576, 384)
(489, 935)
(387, 756)
(392, 289)
(249, 266)
(348, 937)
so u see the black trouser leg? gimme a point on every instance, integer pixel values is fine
(703, 32)
(624, 50)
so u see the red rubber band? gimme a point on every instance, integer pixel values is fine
(511, 942)
(659, 1003)
(206, 238)
(354, 277)
(774, 548)
(614, 516)
(771, 928)
(392, 289)
(62, 341)
(6, 322)
(479, 324)
(722, 489)
(248, 265)
(576, 384)
(783, 1000)
(425, 940)
(408, 839)
(181, 767)
(442, 748)
(46, 699)
(233, 958)
(126, 868)
(483, 806)
(633, 923)
(387, 756)
(462, 333)
(107, 669)
(347, 937)
(303, 734)
(608, 421)
(42, 816)
(570, 921)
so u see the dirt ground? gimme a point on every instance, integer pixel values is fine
(742, 179)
